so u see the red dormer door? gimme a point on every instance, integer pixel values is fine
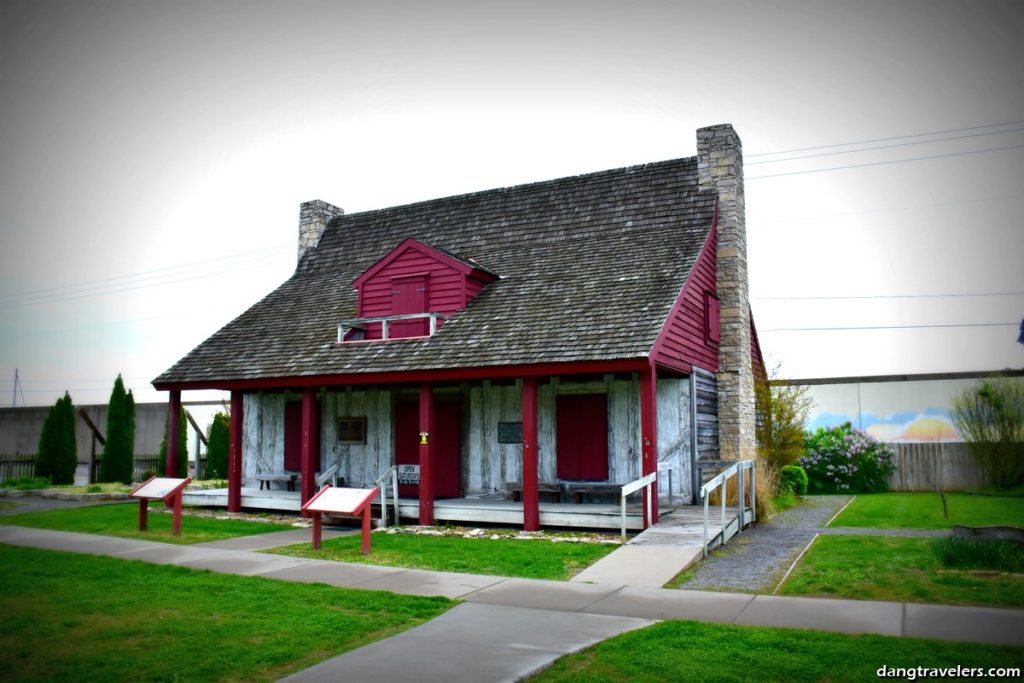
(408, 295)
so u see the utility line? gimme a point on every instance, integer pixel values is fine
(871, 149)
(908, 207)
(884, 327)
(891, 161)
(888, 139)
(885, 296)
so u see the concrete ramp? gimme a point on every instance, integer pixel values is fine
(648, 566)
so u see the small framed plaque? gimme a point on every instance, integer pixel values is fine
(352, 430)
(510, 432)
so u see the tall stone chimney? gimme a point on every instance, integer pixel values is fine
(720, 168)
(313, 219)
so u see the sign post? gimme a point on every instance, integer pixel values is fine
(166, 489)
(341, 501)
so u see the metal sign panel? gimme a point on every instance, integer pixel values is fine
(408, 474)
(343, 501)
(159, 487)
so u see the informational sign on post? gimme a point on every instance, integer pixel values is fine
(341, 501)
(166, 489)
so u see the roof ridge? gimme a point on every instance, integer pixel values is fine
(510, 188)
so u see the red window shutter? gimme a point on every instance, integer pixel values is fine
(712, 318)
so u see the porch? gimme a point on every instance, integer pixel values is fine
(459, 510)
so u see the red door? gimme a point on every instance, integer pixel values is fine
(447, 447)
(408, 295)
(293, 437)
(581, 438)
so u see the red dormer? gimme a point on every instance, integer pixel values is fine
(413, 279)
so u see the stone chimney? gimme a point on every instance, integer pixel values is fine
(720, 168)
(313, 219)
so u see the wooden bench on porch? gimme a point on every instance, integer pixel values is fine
(594, 489)
(515, 488)
(288, 478)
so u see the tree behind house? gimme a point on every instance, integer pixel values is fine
(217, 447)
(118, 462)
(182, 450)
(781, 413)
(991, 417)
(58, 453)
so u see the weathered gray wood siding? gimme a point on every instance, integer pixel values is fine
(486, 464)
(361, 464)
(674, 437)
(263, 431)
(707, 414)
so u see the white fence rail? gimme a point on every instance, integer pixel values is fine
(389, 476)
(642, 483)
(720, 482)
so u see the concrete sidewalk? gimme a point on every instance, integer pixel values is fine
(532, 622)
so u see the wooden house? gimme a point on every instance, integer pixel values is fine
(555, 338)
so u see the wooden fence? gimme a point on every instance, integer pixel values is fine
(17, 465)
(920, 466)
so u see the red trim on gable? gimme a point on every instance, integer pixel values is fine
(683, 341)
(443, 375)
(756, 358)
(412, 243)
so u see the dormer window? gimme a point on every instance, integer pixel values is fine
(411, 292)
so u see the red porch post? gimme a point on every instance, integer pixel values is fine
(310, 453)
(426, 453)
(173, 433)
(235, 453)
(649, 436)
(531, 503)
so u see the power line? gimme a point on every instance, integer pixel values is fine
(888, 139)
(877, 147)
(907, 207)
(884, 327)
(885, 296)
(890, 161)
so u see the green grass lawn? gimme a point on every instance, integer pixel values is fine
(82, 618)
(924, 511)
(675, 651)
(122, 519)
(899, 569)
(534, 559)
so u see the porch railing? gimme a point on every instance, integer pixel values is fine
(389, 476)
(720, 481)
(633, 487)
(330, 473)
(346, 326)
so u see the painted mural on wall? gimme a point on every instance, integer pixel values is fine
(915, 411)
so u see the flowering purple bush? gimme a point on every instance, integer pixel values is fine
(846, 460)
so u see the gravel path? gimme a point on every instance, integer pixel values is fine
(757, 559)
(37, 504)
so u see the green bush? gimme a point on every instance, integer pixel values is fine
(973, 553)
(217, 448)
(58, 452)
(781, 414)
(118, 461)
(26, 483)
(846, 460)
(793, 478)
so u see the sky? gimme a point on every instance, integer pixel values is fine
(153, 157)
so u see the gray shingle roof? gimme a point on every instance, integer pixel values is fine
(590, 267)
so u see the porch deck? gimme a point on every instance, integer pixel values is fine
(582, 515)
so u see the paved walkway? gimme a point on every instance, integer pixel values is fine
(509, 628)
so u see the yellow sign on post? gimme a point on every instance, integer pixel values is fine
(424, 438)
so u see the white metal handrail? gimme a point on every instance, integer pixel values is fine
(385, 320)
(721, 480)
(382, 484)
(632, 487)
(330, 473)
